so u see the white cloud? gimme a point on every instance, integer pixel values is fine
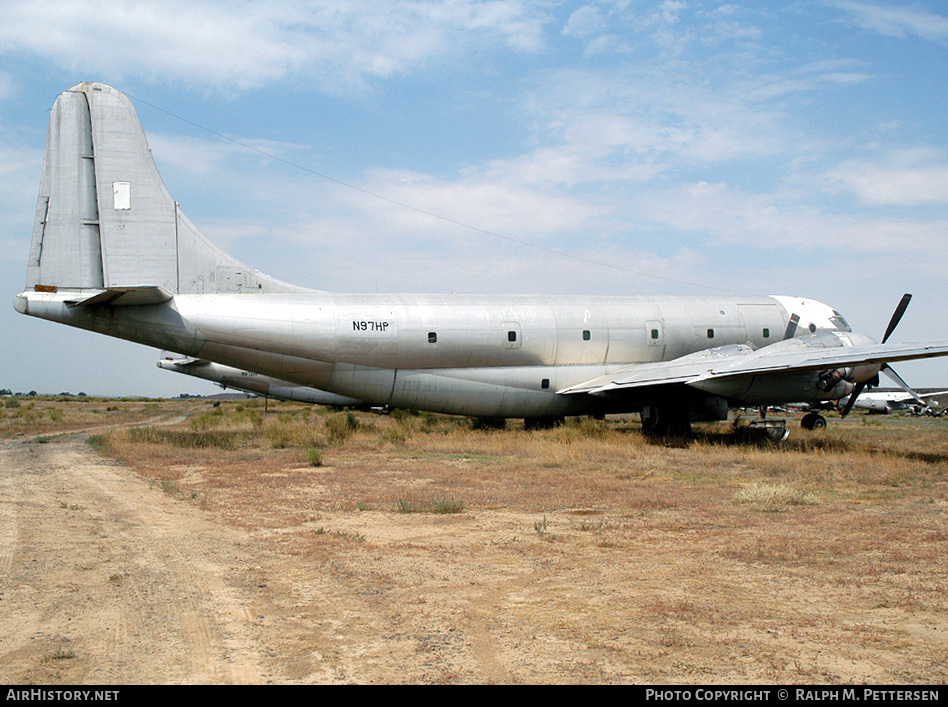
(902, 177)
(584, 22)
(731, 217)
(897, 21)
(337, 45)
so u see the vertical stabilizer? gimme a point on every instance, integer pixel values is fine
(104, 217)
(65, 249)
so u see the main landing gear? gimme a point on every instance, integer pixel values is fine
(813, 421)
(666, 421)
(774, 429)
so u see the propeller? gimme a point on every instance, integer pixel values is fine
(886, 368)
(791, 326)
(897, 316)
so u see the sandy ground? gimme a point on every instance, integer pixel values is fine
(105, 578)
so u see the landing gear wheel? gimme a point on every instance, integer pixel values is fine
(771, 429)
(542, 423)
(666, 422)
(813, 421)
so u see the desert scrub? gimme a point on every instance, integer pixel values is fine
(314, 456)
(402, 428)
(404, 505)
(341, 426)
(581, 428)
(446, 505)
(204, 422)
(183, 439)
(772, 498)
(286, 433)
(99, 443)
(440, 504)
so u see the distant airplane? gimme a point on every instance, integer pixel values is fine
(884, 402)
(249, 382)
(873, 403)
(113, 253)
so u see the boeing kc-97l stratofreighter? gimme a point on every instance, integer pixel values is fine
(113, 253)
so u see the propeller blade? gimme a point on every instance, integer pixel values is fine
(791, 326)
(852, 398)
(897, 315)
(890, 372)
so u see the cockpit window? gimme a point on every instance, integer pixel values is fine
(838, 321)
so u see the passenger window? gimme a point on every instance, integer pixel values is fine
(432, 337)
(511, 335)
(710, 333)
(766, 333)
(586, 335)
(655, 334)
(545, 383)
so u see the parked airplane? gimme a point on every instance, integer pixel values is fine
(873, 403)
(113, 253)
(885, 402)
(250, 382)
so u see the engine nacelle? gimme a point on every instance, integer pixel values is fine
(837, 383)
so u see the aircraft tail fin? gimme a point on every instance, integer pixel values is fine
(104, 218)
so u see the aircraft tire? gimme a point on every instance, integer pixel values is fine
(542, 423)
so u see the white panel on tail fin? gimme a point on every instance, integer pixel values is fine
(105, 218)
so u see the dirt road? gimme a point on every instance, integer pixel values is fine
(104, 580)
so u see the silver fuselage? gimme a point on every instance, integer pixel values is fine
(503, 356)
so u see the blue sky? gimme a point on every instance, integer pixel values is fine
(556, 147)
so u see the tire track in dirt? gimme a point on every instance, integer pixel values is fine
(112, 581)
(483, 601)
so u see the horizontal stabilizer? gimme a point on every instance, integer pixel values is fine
(123, 296)
(182, 361)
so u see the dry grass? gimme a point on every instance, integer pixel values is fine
(369, 458)
(42, 414)
(726, 558)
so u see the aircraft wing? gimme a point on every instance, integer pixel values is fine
(679, 370)
(727, 362)
(933, 395)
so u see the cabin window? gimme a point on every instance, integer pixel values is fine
(655, 334)
(432, 337)
(710, 333)
(766, 333)
(510, 335)
(545, 383)
(586, 335)
(812, 328)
